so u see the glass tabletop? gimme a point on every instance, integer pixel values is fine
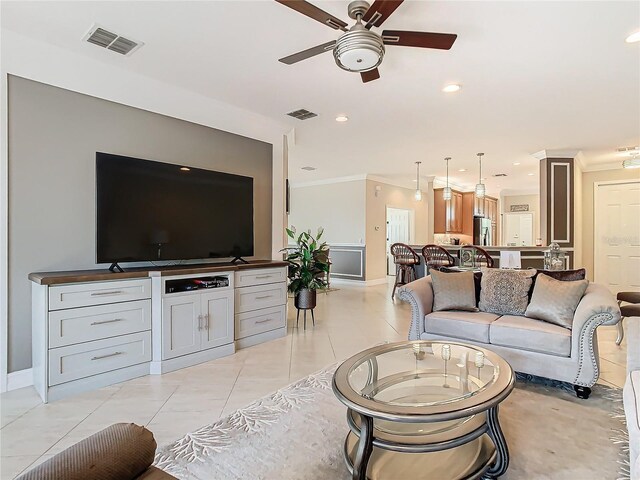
(422, 374)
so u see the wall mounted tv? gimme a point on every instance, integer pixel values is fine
(149, 211)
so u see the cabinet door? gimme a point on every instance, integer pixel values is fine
(217, 316)
(457, 212)
(439, 212)
(181, 325)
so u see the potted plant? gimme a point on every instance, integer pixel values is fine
(308, 266)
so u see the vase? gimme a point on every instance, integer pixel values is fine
(305, 299)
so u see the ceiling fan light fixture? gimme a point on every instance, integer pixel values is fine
(359, 50)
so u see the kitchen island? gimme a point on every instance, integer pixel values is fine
(531, 256)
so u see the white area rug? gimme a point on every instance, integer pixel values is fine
(297, 433)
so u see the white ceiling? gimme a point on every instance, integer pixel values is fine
(535, 75)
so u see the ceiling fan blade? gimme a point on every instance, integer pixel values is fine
(370, 75)
(308, 53)
(380, 11)
(442, 41)
(314, 12)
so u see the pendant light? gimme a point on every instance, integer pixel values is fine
(418, 192)
(446, 194)
(480, 188)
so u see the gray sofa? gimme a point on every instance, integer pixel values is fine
(631, 394)
(529, 345)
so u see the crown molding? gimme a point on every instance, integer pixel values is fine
(598, 167)
(455, 186)
(327, 181)
(542, 154)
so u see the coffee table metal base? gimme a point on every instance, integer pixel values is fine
(481, 453)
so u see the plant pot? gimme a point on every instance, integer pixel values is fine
(305, 299)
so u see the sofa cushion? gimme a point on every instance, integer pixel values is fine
(529, 334)
(453, 291)
(505, 292)
(562, 275)
(555, 301)
(463, 325)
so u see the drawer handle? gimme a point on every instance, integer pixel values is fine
(265, 320)
(263, 297)
(102, 322)
(263, 276)
(205, 317)
(100, 357)
(112, 292)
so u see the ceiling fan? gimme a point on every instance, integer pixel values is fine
(359, 49)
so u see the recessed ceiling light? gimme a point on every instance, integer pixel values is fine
(342, 118)
(451, 88)
(530, 174)
(633, 38)
(185, 169)
(462, 170)
(516, 163)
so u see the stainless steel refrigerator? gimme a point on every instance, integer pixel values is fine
(482, 231)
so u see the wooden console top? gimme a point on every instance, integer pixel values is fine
(77, 276)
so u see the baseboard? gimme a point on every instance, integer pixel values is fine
(20, 379)
(359, 283)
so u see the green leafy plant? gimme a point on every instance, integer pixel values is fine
(308, 261)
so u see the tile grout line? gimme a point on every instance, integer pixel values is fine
(232, 387)
(163, 404)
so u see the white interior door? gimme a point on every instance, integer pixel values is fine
(398, 231)
(517, 229)
(617, 236)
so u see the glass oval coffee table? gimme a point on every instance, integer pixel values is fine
(424, 409)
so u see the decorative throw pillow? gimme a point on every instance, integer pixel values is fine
(453, 291)
(505, 292)
(477, 278)
(555, 301)
(563, 275)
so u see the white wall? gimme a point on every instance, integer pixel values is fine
(337, 207)
(534, 207)
(24, 57)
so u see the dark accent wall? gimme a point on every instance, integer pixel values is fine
(53, 137)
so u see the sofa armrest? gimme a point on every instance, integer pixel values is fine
(419, 294)
(120, 452)
(597, 307)
(632, 325)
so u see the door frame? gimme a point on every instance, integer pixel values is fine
(412, 231)
(596, 186)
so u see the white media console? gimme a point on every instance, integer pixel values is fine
(92, 329)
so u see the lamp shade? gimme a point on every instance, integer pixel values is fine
(446, 193)
(418, 195)
(480, 190)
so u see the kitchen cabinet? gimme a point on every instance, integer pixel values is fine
(448, 214)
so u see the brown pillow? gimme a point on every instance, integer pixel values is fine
(453, 291)
(119, 452)
(562, 275)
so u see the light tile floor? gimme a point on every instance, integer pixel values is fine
(348, 320)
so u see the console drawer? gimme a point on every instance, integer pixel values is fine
(85, 324)
(251, 323)
(100, 356)
(261, 276)
(261, 296)
(98, 293)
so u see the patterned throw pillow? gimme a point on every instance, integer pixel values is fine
(505, 292)
(555, 301)
(453, 291)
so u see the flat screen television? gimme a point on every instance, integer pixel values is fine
(147, 211)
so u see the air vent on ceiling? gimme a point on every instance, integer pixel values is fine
(309, 169)
(112, 41)
(302, 114)
(500, 175)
